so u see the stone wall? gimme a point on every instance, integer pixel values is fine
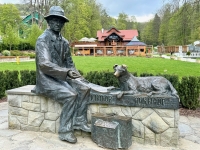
(150, 126)
(28, 111)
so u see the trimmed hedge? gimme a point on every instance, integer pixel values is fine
(13, 79)
(2, 86)
(188, 88)
(188, 91)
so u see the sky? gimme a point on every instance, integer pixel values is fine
(143, 10)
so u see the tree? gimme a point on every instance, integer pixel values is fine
(106, 20)
(122, 21)
(155, 29)
(9, 14)
(35, 32)
(147, 34)
(10, 37)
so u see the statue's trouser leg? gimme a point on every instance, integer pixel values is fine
(83, 91)
(81, 107)
(67, 97)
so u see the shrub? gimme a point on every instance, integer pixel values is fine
(16, 53)
(31, 55)
(188, 53)
(27, 77)
(189, 90)
(2, 86)
(11, 79)
(146, 74)
(103, 78)
(32, 77)
(6, 53)
(24, 77)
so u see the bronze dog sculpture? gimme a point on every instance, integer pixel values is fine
(154, 85)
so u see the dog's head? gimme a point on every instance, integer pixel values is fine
(120, 70)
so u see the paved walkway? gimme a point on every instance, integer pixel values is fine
(27, 140)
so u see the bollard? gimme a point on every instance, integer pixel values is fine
(18, 60)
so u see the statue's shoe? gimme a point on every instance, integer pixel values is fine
(69, 137)
(83, 127)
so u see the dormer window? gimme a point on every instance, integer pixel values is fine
(113, 37)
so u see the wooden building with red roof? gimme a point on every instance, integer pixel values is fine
(110, 42)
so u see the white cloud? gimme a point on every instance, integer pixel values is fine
(10, 1)
(144, 18)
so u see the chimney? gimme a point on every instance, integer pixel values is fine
(102, 30)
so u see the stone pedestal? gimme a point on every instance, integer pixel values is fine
(28, 111)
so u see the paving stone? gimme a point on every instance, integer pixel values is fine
(193, 138)
(3, 119)
(24, 136)
(185, 130)
(4, 125)
(3, 113)
(8, 132)
(4, 106)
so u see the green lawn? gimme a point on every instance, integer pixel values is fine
(135, 64)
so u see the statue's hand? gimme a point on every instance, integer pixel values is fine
(120, 94)
(73, 74)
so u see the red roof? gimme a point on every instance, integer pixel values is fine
(126, 35)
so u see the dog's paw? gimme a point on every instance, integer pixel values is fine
(120, 95)
(149, 94)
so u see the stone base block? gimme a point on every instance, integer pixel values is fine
(28, 111)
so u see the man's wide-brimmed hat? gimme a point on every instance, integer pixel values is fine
(56, 11)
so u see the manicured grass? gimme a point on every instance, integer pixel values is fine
(14, 66)
(135, 64)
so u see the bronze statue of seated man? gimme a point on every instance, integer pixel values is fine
(56, 76)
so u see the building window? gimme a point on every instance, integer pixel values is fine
(141, 50)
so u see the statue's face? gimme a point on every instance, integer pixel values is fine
(56, 23)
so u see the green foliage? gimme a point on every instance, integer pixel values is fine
(103, 78)
(12, 79)
(10, 37)
(146, 74)
(35, 32)
(27, 77)
(16, 53)
(6, 53)
(2, 87)
(188, 53)
(32, 77)
(9, 14)
(189, 92)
